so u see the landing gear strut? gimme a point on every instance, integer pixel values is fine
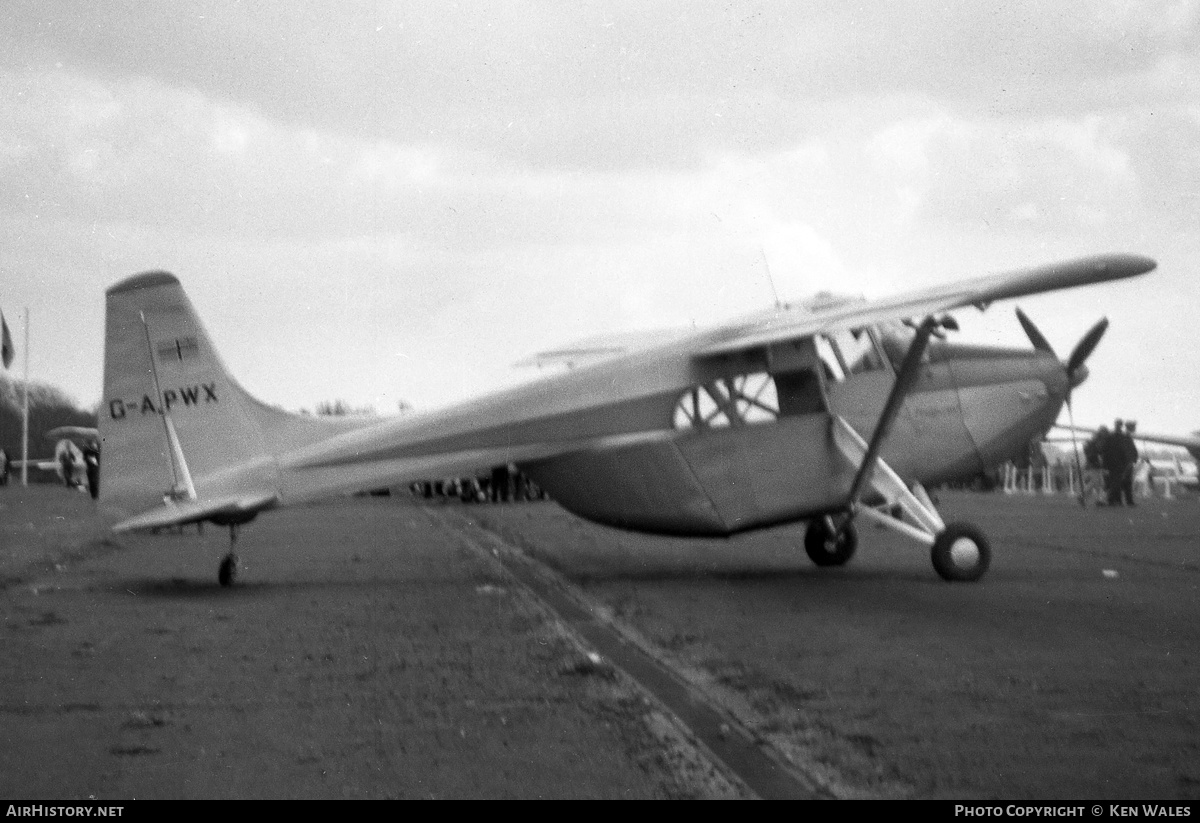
(227, 572)
(959, 551)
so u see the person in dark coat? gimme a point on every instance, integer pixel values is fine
(91, 458)
(1129, 459)
(1114, 457)
(1093, 450)
(500, 488)
(1093, 455)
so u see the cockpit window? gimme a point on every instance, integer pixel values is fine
(896, 339)
(849, 352)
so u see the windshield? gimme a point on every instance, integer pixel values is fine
(896, 337)
(849, 352)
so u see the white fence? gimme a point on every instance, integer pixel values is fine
(1064, 479)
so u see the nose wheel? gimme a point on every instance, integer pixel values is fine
(961, 553)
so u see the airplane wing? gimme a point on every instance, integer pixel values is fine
(1190, 442)
(789, 324)
(70, 432)
(46, 464)
(599, 347)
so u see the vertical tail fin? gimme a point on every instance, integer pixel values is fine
(173, 424)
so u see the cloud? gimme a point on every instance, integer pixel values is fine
(135, 151)
(607, 86)
(424, 183)
(1063, 172)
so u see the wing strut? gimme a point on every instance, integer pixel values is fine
(905, 378)
(183, 488)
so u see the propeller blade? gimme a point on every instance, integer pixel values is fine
(1087, 344)
(1039, 341)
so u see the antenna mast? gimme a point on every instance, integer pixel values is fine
(770, 279)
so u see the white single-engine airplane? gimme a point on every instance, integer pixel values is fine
(1191, 442)
(1167, 467)
(67, 452)
(824, 411)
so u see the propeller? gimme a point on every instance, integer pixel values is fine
(1076, 371)
(1039, 341)
(1084, 348)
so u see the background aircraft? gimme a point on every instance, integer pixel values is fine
(1191, 442)
(70, 443)
(824, 412)
(1164, 465)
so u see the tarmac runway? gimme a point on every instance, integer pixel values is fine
(380, 647)
(1070, 671)
(367, 652)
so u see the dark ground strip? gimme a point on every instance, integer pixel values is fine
(721, 734)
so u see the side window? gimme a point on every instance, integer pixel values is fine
(745, 399)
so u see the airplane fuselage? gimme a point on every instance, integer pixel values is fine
(659, 440)
(672, 444)
(971, 409)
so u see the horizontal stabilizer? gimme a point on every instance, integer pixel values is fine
(233, 509)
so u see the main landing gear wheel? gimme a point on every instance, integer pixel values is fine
(827, 546)
(961, 553)
(228, 571)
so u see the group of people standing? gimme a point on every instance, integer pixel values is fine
(1116, 453)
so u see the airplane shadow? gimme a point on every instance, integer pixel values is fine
(179, 588)
(198, 589)
(838, 577)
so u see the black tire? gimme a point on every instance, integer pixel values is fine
(961, 553)
(826, 548)
(227, 573)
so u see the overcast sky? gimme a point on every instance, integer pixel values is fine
(384, 202)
